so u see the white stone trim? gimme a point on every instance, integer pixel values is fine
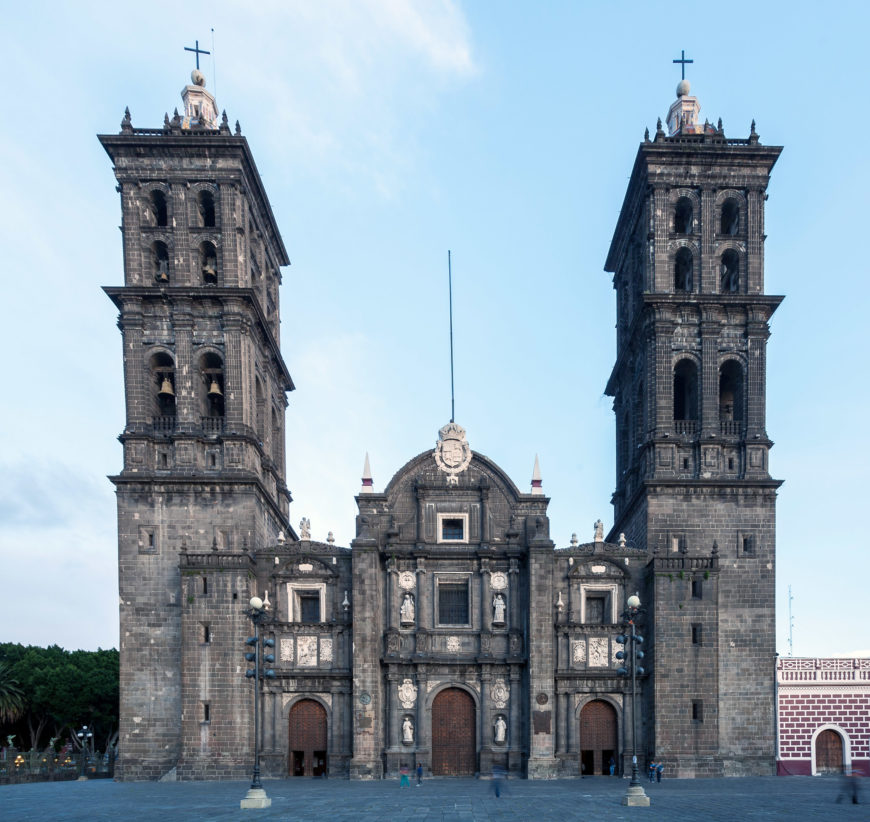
(293, 591)
(847, 745)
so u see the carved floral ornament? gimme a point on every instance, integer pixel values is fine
(452, 452)
(499, 581)
(500, 693)
(407, 693)
(407, 580)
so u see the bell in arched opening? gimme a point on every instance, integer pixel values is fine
(166, 391)
(214, 389)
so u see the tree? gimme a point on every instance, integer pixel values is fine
(63, 690)
(11, 697)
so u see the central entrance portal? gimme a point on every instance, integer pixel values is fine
(454, 738)
(597, 737)
(829, 752)
(307, 739)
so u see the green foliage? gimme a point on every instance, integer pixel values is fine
(11, 697)
(706, 575)
(63, 689)
(681, 575)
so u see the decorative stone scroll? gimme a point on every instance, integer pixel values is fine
(598, 648)
(306, 647)
(286, 650)
(499, 581)
(500, 693)
(407, 580)
(407, 693)
(326, 649)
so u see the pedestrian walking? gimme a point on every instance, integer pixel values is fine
(612, 766)
(404, 780)
(659, 769)
(651, 771)
(419, 774)
(848, 787)
(497, 776)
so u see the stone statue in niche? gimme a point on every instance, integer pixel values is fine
(407, 731)
(499, 730)
(406, 611)
(498, 609)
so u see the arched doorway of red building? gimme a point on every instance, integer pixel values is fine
(454, 738)
(597, 737)
(829, 752)
(308, 728)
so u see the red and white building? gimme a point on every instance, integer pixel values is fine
(823, 715)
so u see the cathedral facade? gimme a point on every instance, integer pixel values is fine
(452, 632)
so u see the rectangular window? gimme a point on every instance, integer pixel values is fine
(206, 634)
(205, 585)
(697, 711)
(309, 606)
(595, 610)
(453, 529)
(453, 603)
(748, 545)
(696, 633)
(697, 589)
(206, 712)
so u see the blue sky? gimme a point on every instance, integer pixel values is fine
(386, 132)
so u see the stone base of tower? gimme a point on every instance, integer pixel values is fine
(366, 768)
(543, 767)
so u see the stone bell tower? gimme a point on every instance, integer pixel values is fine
(692, 484)
(203, 476)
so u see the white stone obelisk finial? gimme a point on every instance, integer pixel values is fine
(537, 483)
(367, 481)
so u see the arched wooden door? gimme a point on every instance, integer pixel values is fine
(308, 728)
(597, 738)
(454, 736)
(829, 752)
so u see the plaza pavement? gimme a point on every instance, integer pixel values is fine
(443, 800)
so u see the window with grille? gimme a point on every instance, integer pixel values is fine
(595, 610)
(452, 529)
(309, 607)
(453, 603)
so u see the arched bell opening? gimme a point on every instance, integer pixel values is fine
(212, 391)
(208, 263)
(205, 209)
(160, 262)
(163, 405)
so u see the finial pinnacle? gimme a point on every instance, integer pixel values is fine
(127, 123)
(238, 129)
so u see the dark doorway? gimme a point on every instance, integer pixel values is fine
(454, 738)
(597, 737)
(308, 728)
(829, 752)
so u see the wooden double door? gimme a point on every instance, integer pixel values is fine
(829, 752)
(598, 738)
(454, 734)
(308, 735)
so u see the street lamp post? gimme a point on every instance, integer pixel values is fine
(635, 794)
(83, 736)
(256, 796)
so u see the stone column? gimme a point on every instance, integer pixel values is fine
(394, 739)
(421, 735)
(514, 740)
(708, 397)
(392, 586)
(486, 718)
(137, 376)
(234, 389)
(424, 589)
(485, 596)
(513, 602)
(185, 372)
(573, 727)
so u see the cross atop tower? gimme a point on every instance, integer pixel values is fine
(682, 61)
(199, 51)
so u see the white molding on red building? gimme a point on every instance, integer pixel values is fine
(815, 694)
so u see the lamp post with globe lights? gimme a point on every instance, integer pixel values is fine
(631, 657)
(84, 735)
(256, 796)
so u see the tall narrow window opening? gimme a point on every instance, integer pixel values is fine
(160, 262)
(686, 391)
(683, 216)
(205, 209)
(730, 218)
(729, 272)
(683, 270)
(158, 208)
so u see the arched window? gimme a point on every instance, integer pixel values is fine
(205, 208)
(259, 410)
(683, 270)
(158, 208)
(208, 263)
(212, 396)
(163, 391)
(729, 272)
(160, 261)
(730, 218)
(686, 394)
(683, 216)
(730, 397)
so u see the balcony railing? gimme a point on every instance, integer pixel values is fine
(212, 426)
(163, 424)
(731, 428)
(686, 428)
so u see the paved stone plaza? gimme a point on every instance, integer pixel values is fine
(453, 800)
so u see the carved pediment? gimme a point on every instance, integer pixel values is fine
(598, 568)
(302, 567)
